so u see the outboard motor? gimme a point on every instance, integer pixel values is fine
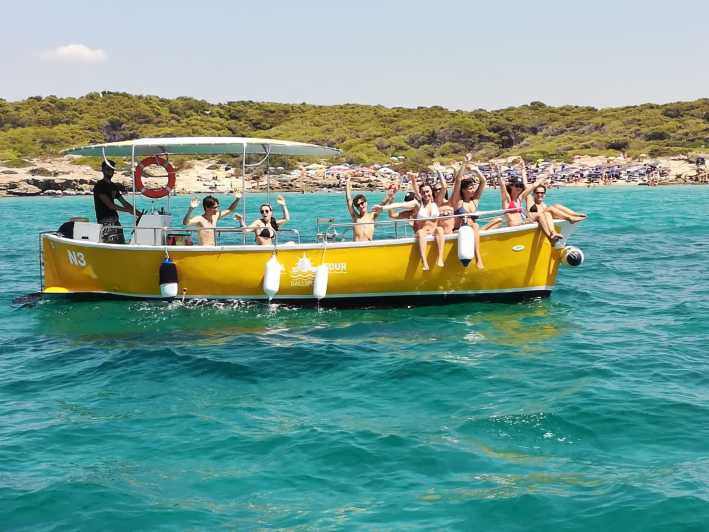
(572, 256)
(67, 229)
(168, 278)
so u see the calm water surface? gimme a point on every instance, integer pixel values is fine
(588, 410)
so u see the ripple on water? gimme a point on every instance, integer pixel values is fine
(585, 410)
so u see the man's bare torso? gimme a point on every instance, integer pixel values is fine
(363, 229)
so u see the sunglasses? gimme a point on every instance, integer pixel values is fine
(265, 211)
(360, 203)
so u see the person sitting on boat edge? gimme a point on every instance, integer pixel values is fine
(445, 207)
(512, 194)
(515, 197)
(466, 199)
(557, 210)
(266, 227)
(106, 194)
(426, 223)
(207, 222)
(363, 228)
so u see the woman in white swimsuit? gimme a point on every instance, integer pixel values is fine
(425, 223)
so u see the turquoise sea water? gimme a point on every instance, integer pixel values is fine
(587, 410)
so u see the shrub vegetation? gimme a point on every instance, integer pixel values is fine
(367, 133)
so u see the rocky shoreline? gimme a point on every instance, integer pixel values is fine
(61, 176)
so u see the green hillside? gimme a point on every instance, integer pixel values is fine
(366, 133)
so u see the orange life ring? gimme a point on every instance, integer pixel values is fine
(154, 193)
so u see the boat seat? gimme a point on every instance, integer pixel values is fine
(87, 231)
(150, 230)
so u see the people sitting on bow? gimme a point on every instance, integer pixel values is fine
(207, 221)
(363, 228)
(426, 222)
(266, 226)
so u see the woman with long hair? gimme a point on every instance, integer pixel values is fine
(266, 226)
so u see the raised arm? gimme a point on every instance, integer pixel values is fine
(444, 185)
(286, 216)
(458, 179)
(504, 195)
(415, 186)
(525, 195)
(401, 205)
(529, 188)
(189, 219)
(230, 208)
(388, 197)
(482, 183)
(348, 198)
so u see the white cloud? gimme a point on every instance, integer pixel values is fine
(74, 53)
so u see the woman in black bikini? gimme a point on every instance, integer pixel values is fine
(466, 199)
(266, 227)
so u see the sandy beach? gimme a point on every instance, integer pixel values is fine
(58, 176)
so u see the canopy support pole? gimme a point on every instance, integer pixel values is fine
(132, 175)
(243, 189)
(268, 180)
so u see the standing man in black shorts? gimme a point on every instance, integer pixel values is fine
(106, 193)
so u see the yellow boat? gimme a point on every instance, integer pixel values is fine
(520, 262)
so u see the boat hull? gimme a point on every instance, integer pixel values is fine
(519, 263)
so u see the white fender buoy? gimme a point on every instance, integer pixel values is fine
(466, 244)
(320, 281)
(168, 278)
(572, 256)
(272, 277)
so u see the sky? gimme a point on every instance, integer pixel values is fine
(459, 55)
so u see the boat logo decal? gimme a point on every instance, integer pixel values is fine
(303, 273)
(76, 258)
(518, 247)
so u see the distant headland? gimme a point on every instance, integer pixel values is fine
(35, 130)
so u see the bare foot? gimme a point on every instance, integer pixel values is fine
(479, 264)
(440, 263)
(425, 267)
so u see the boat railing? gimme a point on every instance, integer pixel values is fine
(166, 235)
(328, 229)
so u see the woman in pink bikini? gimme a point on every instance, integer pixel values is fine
(518, 190)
